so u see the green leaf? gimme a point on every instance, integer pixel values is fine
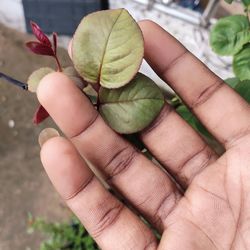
(108, 48)
(232, 82)
(188, 116)
(185, 113)
(133, 107)
(243, 88)
(229, 1)
(36, 77)
(135, 140)
(241, 64)
(230, 34)
(246, 2)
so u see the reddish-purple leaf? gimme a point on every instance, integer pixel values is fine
(40, 115)
(40, 49)
(39, 34)
(55, 42)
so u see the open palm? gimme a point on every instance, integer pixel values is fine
(214, 210)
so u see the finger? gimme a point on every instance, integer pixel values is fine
(217, 106)
(145, 185)
(177, 146)
(111, 224)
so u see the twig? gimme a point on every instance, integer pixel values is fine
(22, 85)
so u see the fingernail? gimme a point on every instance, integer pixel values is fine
(47, 134)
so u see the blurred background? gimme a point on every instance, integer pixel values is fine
(24, 186)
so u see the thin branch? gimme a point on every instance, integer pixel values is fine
(59, 67)
(14, 81)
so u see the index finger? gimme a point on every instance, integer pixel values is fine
(225, 114)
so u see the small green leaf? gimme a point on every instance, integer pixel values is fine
(133, 107)
(243, 88)
(229, 1)
(241, 64)
(230, 34)
(36, 77)
(108, 48)
(74, 76)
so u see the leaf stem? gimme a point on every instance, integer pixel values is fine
(59, 67)
(22, 85)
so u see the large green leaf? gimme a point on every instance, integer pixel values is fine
(133, 107)
(36, 77)
(108, 48)
(241, 64)
(230, 34)
(246, 2)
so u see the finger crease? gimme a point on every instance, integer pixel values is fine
(81, 188)
(167, 109)
(87, 126)
(161, 213)
(120, 162)
(207, 93)
(174, 62)
(192, 157)
(231, 142)
(108, 219)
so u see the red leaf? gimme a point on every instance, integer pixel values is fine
(40, 115)
(55, 42)
(40, 49)
(39, 34)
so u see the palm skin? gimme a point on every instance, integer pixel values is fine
(213, 211)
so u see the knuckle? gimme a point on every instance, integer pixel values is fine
(121, 161)
(207, 93)
(107, 219)
(167, 109)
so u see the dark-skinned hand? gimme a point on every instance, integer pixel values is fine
(212, 213)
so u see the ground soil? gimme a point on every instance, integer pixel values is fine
(24, 184)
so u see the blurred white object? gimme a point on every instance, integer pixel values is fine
(171, 8)
(12, 15)
(11, 123)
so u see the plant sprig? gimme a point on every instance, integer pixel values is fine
(44, 46)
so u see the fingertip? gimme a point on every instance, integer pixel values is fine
(49, 86)
(52, 148)
(147, 25)
(64, 166)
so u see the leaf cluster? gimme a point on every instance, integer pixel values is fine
(62, 236)
(230, 36)
(107, 52)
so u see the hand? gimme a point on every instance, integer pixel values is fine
(214, 210)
